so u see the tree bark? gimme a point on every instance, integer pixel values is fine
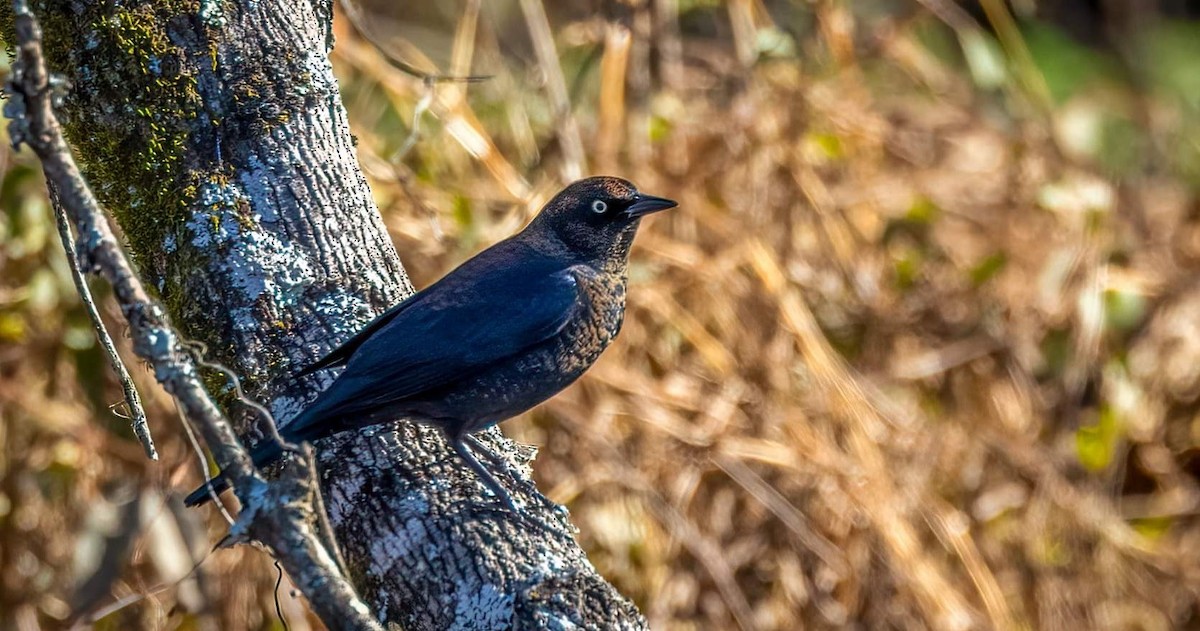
(215, 134)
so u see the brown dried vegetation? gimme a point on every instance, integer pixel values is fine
(920, 348)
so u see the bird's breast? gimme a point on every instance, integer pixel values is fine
(599, 321)
(524, 381)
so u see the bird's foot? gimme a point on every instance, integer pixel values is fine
(526, 484)
(526, 514)
(498, 491)
(294, 449)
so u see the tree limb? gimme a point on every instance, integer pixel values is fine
(218, 140)
(278, 514)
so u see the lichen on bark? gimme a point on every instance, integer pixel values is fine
(215, 134)
(130, 111)
(168, 114)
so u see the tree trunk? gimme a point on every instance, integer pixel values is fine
(215, 134)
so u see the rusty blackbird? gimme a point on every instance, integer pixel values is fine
(498, 335)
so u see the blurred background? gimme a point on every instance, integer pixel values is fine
(920, 349)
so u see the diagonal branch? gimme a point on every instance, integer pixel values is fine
(279, 514)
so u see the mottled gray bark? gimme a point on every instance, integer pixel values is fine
(215, 134)
(280, 514)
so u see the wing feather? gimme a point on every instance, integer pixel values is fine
(452, 330)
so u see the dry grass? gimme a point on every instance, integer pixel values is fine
(920, 349)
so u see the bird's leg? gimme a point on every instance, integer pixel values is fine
(460, 443)
(526, 484)
(465, 439)
(485, 476)
(477, 445)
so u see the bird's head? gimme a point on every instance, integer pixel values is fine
(598, 216)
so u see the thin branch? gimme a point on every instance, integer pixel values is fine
(359, 20)
(198, 351)
(34, 123)
(137, 415)
(324, 528)
(428, 86)
(279, 515)
(952, 15)
(556, 88)
(203, 459)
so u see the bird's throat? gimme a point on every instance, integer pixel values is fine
(616, 256)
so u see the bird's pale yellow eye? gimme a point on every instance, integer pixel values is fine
(599, 206)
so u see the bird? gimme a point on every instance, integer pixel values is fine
(504, 331)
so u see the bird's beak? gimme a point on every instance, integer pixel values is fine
(646, 204)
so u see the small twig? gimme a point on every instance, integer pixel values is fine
(198, 351)
(460, 64)
(137, 415)
(199, 451)
(428, 86)
(278, 607)
(90, 618)
(358, 20)
(952, 15)
(324, 528)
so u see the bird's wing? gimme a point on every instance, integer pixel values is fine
(339, 355)
(491, 267)
(452, 330)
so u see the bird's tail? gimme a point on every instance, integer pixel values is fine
(263, 454)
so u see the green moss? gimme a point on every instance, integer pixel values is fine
(133, 61)
(221, 389)
(131, 108)
(153, 103)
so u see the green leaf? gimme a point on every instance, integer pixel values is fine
(1152, 528)
(1123, 310)
(1066, 65)
(907, 265)
(923, 211)
(12, 327)
(986, 269)
(1096, 444)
